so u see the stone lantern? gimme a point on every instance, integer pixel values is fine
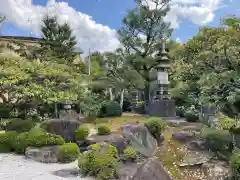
(162, 73)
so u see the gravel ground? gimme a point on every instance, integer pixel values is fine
(14, 167)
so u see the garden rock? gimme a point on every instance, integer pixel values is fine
(44, 154)
(194, 159)
(216, 170)
(182, 136)
(151, 169)
(64, 128)
(148, 169)
(160, 140)
(196, 145)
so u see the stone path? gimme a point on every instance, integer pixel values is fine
(14, 167)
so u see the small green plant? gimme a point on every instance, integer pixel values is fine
(68, 152)
(7, 141)
(235, 164)
(108, 148)
(129, 153)
(36, 139)
(100, 165)
(226, 123)
(82, 133)
(104, 130)
(156, 126)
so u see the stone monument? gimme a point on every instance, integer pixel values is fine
(161, 105)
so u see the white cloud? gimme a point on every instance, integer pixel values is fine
(178, 40)
(97, 36)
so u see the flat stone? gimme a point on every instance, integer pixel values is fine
(195, 159)
(196, 145)
(182, 136)
(67, 173)
(44, 154)
(216, 170)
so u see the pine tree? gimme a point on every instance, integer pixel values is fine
(143, 29)
(58, 41)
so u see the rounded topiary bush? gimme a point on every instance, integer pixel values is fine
(82, 133)
(129, 153)
(68, 152)
(64, 128)
(110, 109)
(19, 125)
(102, 166)
(103, 130)
(191, 117)
(155, 126)
(108, 148)
(36, 139)
(217, 140)
(7, 141)
(235, 164)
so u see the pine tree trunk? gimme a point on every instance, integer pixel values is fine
(111, 94)
(121, 98)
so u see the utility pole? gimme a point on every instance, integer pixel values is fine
(89, 62)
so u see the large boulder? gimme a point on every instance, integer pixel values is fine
(45, 154)
(151, 168)
(64, 128)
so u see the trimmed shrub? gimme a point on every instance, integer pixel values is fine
(82, 133)
(36, 139)
(235, 164)
(104, 130)
(68, 152)
(155, 126)
(129, 153)
(64, 128)
(5, 111)
(110, 109)
(108, 148)
(19, 125)
(102, 166)
(7, 141)
(191, 116)
(217, 140)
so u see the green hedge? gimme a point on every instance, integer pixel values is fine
(68, 152)
(7, 141)
(82, 133)
(104, 130)
(19, 125)
(101, 165)
(36, 139)
(109, 149)
(110, 109)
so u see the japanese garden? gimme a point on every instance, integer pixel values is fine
(152, 109)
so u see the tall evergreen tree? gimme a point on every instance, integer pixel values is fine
(58, 40)
(143, 29)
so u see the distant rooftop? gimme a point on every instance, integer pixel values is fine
(26, 38)
(22, 38)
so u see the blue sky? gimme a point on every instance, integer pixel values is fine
(111, 12)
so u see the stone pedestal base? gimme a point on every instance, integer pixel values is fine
(162, 108)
